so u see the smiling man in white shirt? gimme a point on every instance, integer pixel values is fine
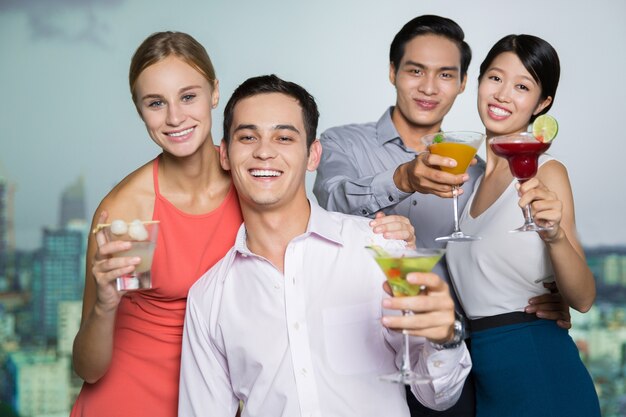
(294, 320)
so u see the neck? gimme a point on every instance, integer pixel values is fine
(411, 133)
(269, 230)
(197, 172)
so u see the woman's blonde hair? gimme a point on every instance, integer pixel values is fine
(161, 45)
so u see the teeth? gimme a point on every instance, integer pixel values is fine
(264, 173)
(182, 133)
(499, 111)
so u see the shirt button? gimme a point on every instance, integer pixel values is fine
(414, 202)
(277, 286)
(390, 198)
(364, 211)
(303, 371)
(296, 326)
(437, 364)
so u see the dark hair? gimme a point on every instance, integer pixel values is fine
(266, 84)
(538, 57)
(433, 25)
(161, 45)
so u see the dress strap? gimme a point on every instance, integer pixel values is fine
(155, 175)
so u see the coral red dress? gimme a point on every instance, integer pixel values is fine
(142, 379)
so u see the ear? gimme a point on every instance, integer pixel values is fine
(215, 97)
(542, 105)
(224, 161)
(315, 154)
(392, 73)
(463, 83)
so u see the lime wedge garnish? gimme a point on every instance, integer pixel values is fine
(438, 138)
(379, 251)
(545, 128)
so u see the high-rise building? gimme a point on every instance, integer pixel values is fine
(7, 237)
(41, 382)
(73, 203)
(69, 323)
(58, 276)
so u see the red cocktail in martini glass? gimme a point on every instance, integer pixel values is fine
(522, 151)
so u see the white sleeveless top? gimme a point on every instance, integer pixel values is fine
(500, 272)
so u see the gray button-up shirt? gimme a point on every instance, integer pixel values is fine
(355, 176)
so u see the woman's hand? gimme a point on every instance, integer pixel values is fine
(107, 268)
(546, 208)
(394, 227)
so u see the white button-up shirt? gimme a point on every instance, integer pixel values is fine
(306, 342)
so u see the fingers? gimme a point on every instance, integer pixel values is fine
(113, 267)
(550, 307)
(432, 315)
(425, 176)
(100, 236)
(394, 227)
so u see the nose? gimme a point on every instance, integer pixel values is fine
(175, 115)
(428, 85)
(264, 150)
(503, 94)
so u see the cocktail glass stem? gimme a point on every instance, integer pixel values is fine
(528, 217)
(529, 223)
(406, 356)
(457, 235)
(455, 203)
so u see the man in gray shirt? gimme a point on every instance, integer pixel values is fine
(384, 167)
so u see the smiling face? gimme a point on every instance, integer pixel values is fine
(175, 103)
(508, 96)
(267, 153)
(427, 82)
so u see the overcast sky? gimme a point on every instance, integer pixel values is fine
(67, 111)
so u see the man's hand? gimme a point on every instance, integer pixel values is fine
(423, 175)
(394, 227)
(551, 307)
(432, 314)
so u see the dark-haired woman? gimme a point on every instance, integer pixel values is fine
(523, 365)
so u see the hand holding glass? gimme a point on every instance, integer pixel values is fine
(522, 151)
(462, 147)
(396, 264)
(143, 237)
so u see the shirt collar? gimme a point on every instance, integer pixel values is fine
(385, 129)
(321, 223)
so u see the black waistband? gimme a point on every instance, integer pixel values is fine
(505, 319)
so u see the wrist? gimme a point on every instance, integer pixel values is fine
(399, 179)
(458, 334)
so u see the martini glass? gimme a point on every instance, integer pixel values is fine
(396, 264)
(522, 150)
(462, 147)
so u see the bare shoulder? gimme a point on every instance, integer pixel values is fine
(553, 172)
(132, 198)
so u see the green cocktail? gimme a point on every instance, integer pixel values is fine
(397, 264)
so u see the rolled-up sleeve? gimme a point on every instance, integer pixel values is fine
(341, 185)
(448, 368)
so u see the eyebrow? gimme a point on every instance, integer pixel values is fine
(275, 127)
(182, 90)
(417, 64)
(531, 79)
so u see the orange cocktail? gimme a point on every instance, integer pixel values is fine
(462, 147)
(460, 152)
